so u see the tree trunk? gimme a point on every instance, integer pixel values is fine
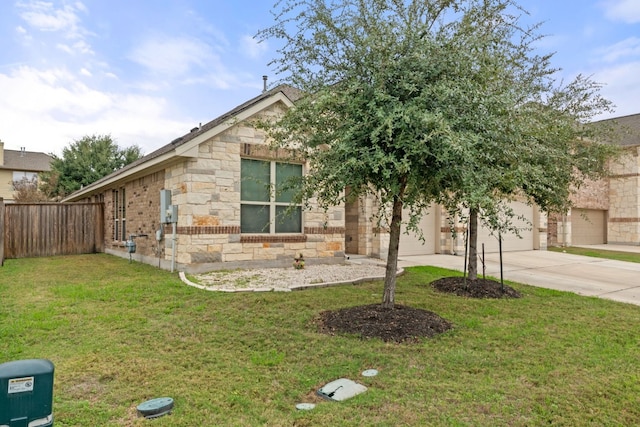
(388, 297)
(473, 245)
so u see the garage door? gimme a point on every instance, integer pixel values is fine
(588, 227)
(410, 244)
(511, 242)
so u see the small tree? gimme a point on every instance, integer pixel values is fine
(85, 161)
(418, 101)
(552, 152)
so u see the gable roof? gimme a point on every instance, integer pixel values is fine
(29, 161)
(187, 144)
(628, 128)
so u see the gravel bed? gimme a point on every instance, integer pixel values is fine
(284, 279)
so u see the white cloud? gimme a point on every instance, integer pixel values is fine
(65, 48)
(252, 48)
(622, 87)
(172, 56)
(45, 110)
(185, 61)
(204, 26)
(65, 20)
(80, 6)
(627, 11)
(627, 48)
(85, 72)
(44, 16)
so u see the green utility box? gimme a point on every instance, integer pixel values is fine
(26, 393)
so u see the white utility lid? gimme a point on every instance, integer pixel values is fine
(341, 389)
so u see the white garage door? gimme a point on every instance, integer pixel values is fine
(588, 227)
(410, 244)
(511, 242)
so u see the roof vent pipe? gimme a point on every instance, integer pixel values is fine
(264, 82)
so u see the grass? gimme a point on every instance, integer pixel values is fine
(598, 253)
(120, 334)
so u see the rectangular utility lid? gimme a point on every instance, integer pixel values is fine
(341, 389)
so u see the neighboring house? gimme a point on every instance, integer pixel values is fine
(218, 176)
(606, 211)
(20, 165)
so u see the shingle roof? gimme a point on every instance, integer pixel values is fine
(26, 161)
(290, 92)
(628, 127)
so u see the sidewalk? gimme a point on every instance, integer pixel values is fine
(615, 280)
(617, 248)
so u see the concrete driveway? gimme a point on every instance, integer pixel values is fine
(615, 280)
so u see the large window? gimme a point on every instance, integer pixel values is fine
(266, 197)
(119, 215)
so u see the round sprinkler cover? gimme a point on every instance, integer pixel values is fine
(305, 406)
(370, 373)
(155, 408)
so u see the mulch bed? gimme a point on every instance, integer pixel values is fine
(398, 324)
(478, 288)
(407, 324)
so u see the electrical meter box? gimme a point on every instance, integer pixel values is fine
(26, 393)
(130, 245)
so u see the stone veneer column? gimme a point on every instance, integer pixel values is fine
(624, 214)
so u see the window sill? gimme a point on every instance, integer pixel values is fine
(273, 238)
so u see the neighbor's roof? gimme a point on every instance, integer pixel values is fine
(291, 93)
(29, 161)
(628, 127)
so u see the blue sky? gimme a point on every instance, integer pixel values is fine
(148, 71)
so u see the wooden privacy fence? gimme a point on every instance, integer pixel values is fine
(47, 229)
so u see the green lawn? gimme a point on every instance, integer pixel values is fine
(121, 333)
(598, 253)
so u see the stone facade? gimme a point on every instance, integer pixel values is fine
(206, 189)
(624, 213)
(207, 192)
(618, 196)
(592, 195)
(362, 235)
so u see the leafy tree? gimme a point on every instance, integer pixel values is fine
(85, 161)
(421, 101)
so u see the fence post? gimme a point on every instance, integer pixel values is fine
(1, 231)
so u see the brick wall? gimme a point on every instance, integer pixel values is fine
(142, 213)
(592, 195)
(552, 229)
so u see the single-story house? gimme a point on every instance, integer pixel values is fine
(16, 166)
(608, 210)
(217, 175)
